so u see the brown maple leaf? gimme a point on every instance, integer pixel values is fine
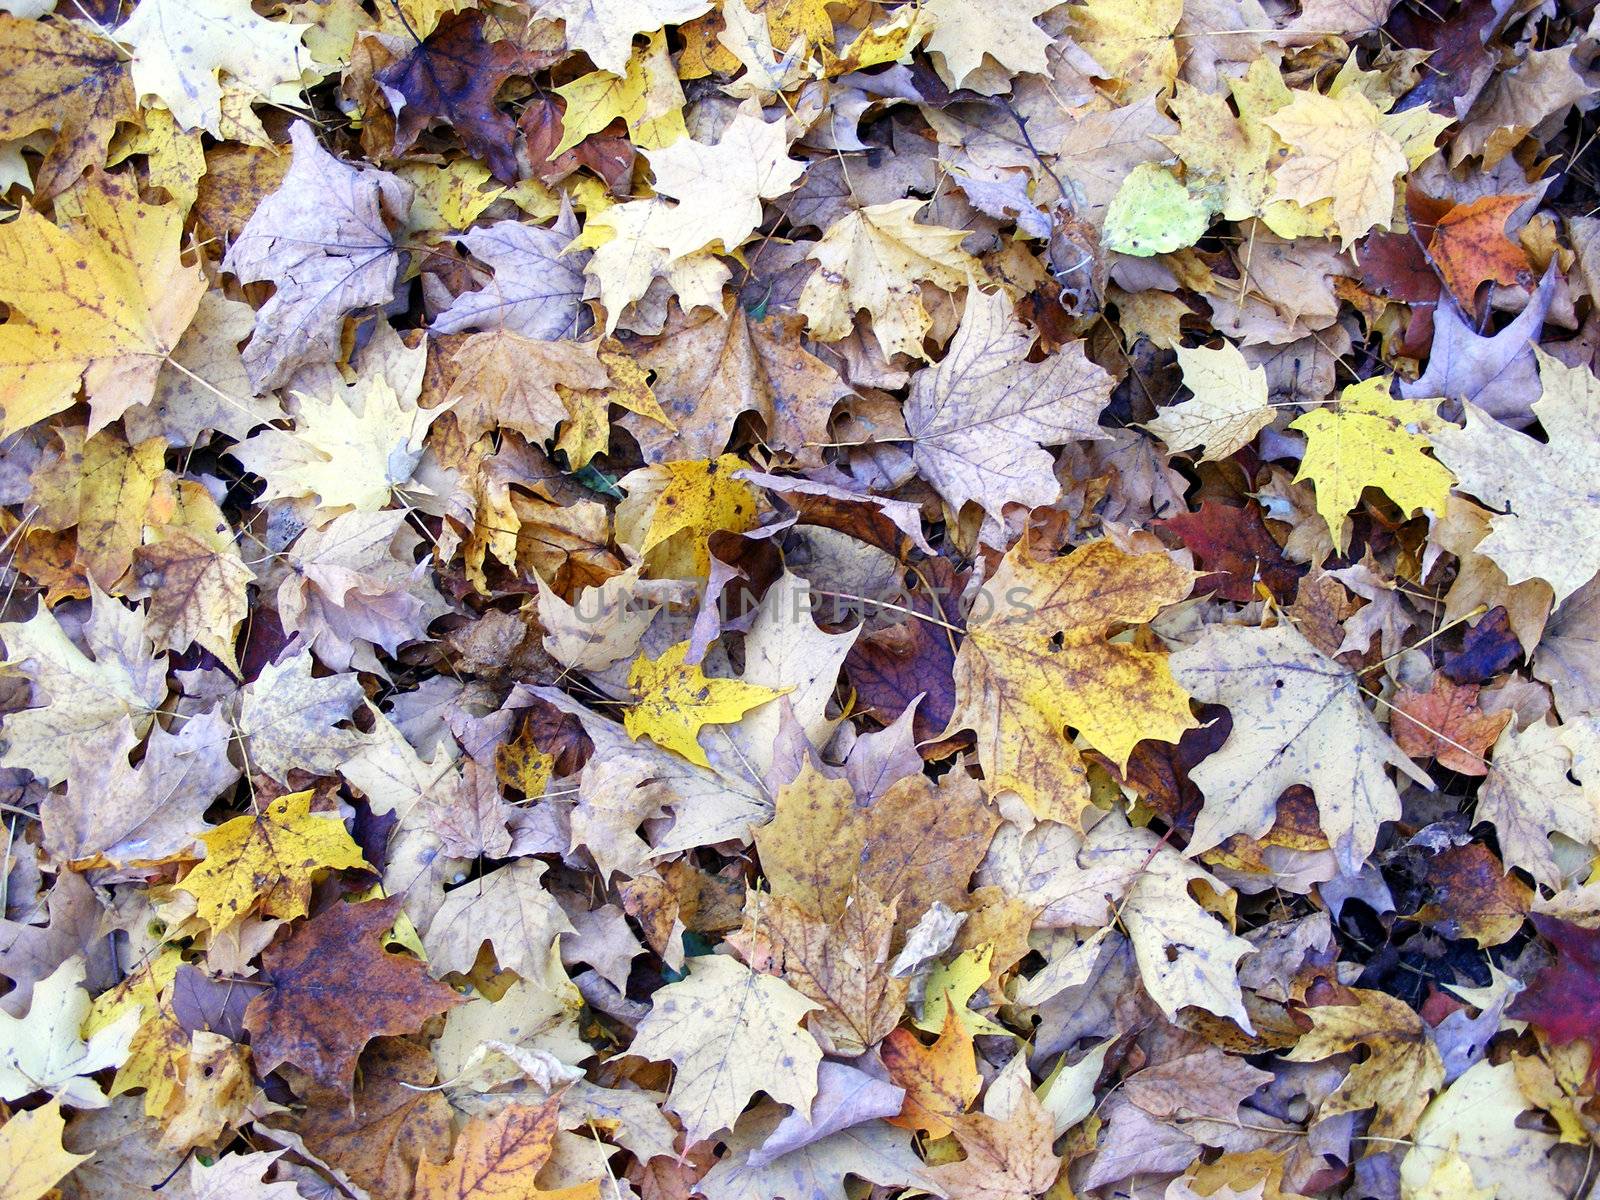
(331, 987)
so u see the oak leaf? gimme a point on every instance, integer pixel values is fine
(331, 987)
(1036, 660)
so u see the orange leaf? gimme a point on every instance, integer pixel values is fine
(1470, 246)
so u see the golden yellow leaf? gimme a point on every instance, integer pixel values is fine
(648, 97)
(1132, 42)
(674, 700)
(919, 842)
(1036, 660)
(874, 258)
(587, 431)
(497, 1159)
(105, 487)
(103, 300)
(1401, 1071)
(1342, 152)
(1370, 439)
(266, 862)
(951, 985)
(673, 507)
(32, 1159)
(61, 77)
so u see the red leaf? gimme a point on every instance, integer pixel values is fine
(1563, 1001)
(1238, 549)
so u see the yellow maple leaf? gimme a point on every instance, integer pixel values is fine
(32, 1159)
(951, 985)
(1132, 41)
(103, 301)
(1371, 439)
(674, 700)
(648, 97)
(1228, 409)
(1036, 660)
(1396, 1079)
(1342, 152)
(160, 1044)
(874, 258)
(587, 431)
(105, 487)
(267, 861)
(673, 507)
(497, 1158)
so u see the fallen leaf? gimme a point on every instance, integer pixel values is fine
(111, 322)
(730, 1033)
(1398, 1078)
(331, 987)
(32, 1160)
(673, 701)
(323, 239)
(1298, 717)
(1036, 660)
(977, 419)
(265, 863)
(874, 259)
(1367, 440)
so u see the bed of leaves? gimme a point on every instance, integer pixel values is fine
(839, 600)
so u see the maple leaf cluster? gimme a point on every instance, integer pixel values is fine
(799, 599)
